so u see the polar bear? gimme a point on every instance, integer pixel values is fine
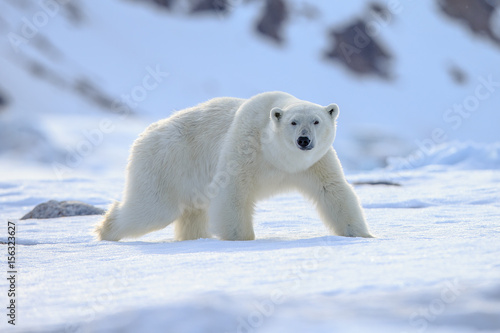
(205, 167)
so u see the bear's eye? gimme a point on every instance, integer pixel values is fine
(294, 123)
(316, 122)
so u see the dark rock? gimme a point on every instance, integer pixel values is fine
(43, 72)
(358, 51)
(378, 8)
(88, 90)
(272, 19)
(476, 14)
(381, 182)
(53, 208)
(163, 4)
(3, 101)
(457, 75)
(74, 12)
(217, 6)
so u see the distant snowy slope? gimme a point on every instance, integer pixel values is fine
(455, 155)
(87, 61)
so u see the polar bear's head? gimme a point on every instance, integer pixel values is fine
(304, 132)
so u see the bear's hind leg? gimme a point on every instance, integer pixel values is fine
(231, 214)
(191, 225)
(105, 230)
(125, 220)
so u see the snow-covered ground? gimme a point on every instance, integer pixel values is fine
(434, 266)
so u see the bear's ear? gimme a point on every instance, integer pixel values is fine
(276, 114)
(333, 110)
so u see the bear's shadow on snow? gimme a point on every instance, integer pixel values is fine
(215, 245)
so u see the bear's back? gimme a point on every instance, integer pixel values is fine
(191, 138)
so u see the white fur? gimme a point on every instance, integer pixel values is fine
(210, 164)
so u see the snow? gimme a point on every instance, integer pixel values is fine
(433, 266)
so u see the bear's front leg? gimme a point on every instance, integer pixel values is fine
(230, 213)
(341, 211)
(336, 201)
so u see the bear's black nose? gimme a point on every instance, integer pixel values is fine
(303, 141)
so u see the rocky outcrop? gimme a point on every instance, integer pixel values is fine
(53, 208)
(164, 4)
(475, 14)
(3, 101)
(217, 6)
(272, 20)
(361, 53)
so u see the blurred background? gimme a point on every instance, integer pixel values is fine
(79, 80)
